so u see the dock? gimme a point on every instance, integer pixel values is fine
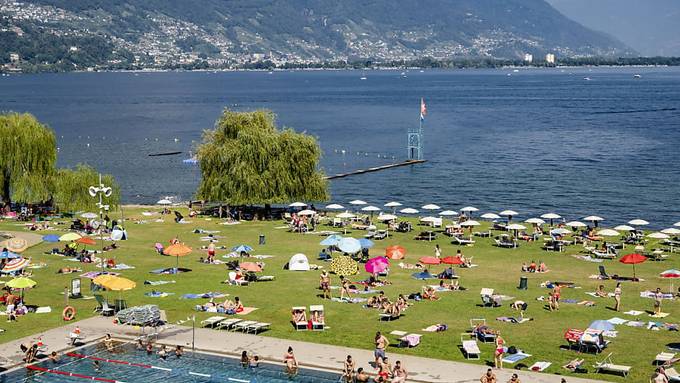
(376, 169)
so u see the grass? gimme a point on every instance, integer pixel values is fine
(353, 326)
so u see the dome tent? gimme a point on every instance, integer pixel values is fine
(298, 262)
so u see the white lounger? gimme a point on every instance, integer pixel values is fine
(470, 347)
(243, 325)
(212, 321)
(607, 365)
(257, 327)
(227, 323)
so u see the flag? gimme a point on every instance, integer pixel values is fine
(423, 109)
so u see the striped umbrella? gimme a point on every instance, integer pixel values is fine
(16, 265)
(671, 274)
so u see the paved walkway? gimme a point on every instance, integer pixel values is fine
(272, 349)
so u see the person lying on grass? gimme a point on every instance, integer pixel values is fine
(429, 293)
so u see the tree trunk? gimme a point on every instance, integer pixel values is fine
(6, 196)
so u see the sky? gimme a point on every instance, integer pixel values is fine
(651, 27)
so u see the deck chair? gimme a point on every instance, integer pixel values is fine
(603, 273)
(664, 357)
(483, 337)
(300, 325)
(380, 234)
(212, 321)
(470, 347)
(487, 300)
(243, 325)
(461, 241)
(233, 281)
(673, 375)
(574, 365)
(320, 324)
(257, 327)
(227, 323)
(608, 366)
(103, 307)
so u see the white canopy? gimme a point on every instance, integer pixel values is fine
(537, 221)
(515, 226)
(575, 224)
(624, 228)
(551, 216)
(490, 216)
(677, 224)
(392, 204)
(470, 223)
(638, 222)
(430, 219)
(370, 208)
(298, 262)
(471, 208)
(335, 206)
(345, 215)
(431, 206)
(357, 202)
(448, 213)
(658, 235)
(671, 231)
(164, 201)
(608, 233)
(307, 212)
(508, 212)
(593, 218)
(387, 217)
(297, 204)
(560, 231)
(409, 210)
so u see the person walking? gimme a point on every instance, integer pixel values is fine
(380, 344)
(617, 297)
(399, 373)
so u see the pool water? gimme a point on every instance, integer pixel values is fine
(150, 368)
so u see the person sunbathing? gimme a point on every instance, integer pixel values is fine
(299, 316)
(532, 267)
(429, 293)
(68, 270)
(542, 268)
(402, 303)
(600, 292)
(373, 302)
(317, 316)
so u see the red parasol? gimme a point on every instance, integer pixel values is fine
(86, 241)
(429, 260)
(395, 252)
(452, 260)
(633, 259)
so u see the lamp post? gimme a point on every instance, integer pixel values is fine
(100, 192)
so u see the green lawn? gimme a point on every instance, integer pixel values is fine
(353, 326)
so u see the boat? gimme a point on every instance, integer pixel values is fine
(587, 78)
(164, 154)
(637, 76)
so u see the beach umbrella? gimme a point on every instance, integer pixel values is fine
(164, 201)
(423, 275)
(343, 265)
(535, 221)
(509, 214)
(16, 245)
(490, 216)
(9, 255)
(86, 241)
(469, 210)
(177, 250)
(68, 237)
(335, 206)
(551, 217)
(15, 265)
(430, 206)
(677, 224)
(658, 235)
(409, 210)
(638, 222)
(387, 217)
(670, 275)
(452, 260)
(89, 215)
(601, 325)
(429, 260)
(428, 219)
(608, 233)
(306, 212)
(671, 231)
(624, 228)
(371, 209)
(377, 265)
(242, 249)
(357, 202)
(560, 231)
(594, 219)
(470, 223)
(50, 238)
(331, 240)
(345, 215)
(575, 224)
(448, 213)
(349, 245)
(102, 278)
(114, 283)
(365, 243)
(21, 283)
(250, 266)
(633, 259)
(392, 204)
(297, 204)
(516, 226)
(395, 252)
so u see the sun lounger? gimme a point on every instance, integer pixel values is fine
(388, 317)
(320, 324)
(103, 307)
(257, 327)
(300, 325)
(212, 321)
(604, 255)
(234, 281)
(673, 375)
(227, 323)
(574, 365)
(243, 325)
(380, 234)
(608, 366)
(664, 357)
(470, 347)
(461, 241)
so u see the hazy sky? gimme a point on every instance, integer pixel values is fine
(651, 27)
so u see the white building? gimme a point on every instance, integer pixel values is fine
(550, 58)
(528, 57)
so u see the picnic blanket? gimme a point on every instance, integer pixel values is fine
(436, 328)
(651, 294)
(247, 310)
(156, 283)
(514, 358)
(203, 295)
(157, 294)
(634, 312)
(539, 366)
(659, 315)
(170, 270)
(43, 310)
(617, 320)
(95, 274)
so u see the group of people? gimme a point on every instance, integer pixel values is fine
(162, 351)
(383, 303)
(227, 307)
(14, 305)
(534, 268)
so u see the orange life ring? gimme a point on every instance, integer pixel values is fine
(69, 313)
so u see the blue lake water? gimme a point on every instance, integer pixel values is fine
(531, 141)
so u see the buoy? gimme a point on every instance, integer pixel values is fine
(69, 314)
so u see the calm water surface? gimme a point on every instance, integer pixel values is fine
(533, 141)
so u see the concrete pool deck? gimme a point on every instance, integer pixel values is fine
(272, 349)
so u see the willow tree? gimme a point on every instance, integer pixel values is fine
(246, 160)
(71, 189)
(28, 154)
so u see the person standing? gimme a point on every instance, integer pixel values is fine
(659, 376)
(489, 377)
(617, 297)
(437, 251)
(325, 284)
(498, 352)
(658, 296)
(211, 252)
(399, 373)
(290, 362)
(380, 344)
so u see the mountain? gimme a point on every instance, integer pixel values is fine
(652, 27)
(220, 32)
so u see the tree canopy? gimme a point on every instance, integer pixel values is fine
(28, 155)
(71, 189)
(247, 160)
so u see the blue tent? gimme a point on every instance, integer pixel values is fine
(601, 325)
(365, 243)
(423, 275)
(331, 240)
(50, 238)
(242, 249)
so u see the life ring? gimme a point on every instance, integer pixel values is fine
(69, 313)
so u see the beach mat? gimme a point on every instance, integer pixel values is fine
(247, 310)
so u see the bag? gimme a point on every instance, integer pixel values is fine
(512, 350)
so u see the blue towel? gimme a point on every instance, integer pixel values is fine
(514, 358)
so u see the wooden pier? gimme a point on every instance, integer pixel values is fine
(375, 169)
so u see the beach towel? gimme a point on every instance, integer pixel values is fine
(262, 256)
(610, 333)
(436, 328)
(203, 295)
(156, 283)
(170, 270)
(617, 320)
(635, 324)
(514, 358)
(659, 315)
(634, 312)
(539, 366)
(593, 294)
(122, 266)
(650, 294)
(157, 294)
(514, 320)
(349, 300)
(43, 310)
(95, 274)
(247, 310)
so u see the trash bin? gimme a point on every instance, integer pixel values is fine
(523, 283)
(262, 239)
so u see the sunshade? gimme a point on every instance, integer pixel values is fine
(490, 216)
(624, 228)
(452, 260)
(345, 215)
(50, 238)
(423, 275)
(409, 210)
(335, 206)
(164, 201)
(344, 266)
(16, 245)
(470, 223)
(86, 241)
(671, 231)
(392, 204)
(601, 325)
(469, 209)
(349, 245)
(297, 204)
(177, 250)
(370, 208)
(430, 206)
(365, 243)
(118, 284)
(658, 235)
(16, 265)
(536, 221)
(331, 240)
(633, 259)
(377, 265)
(9, 255)
(357, 202)
(242, 249)
(575, 224)
(508, 212)
(593, 218)
(608, 233)
(387, 217)
(89, 215)
(68, 237)
(516, 226)
(102, 278)
(395, 252)
(21, 283)
(429, 219)
(448, 213)
(551, 216)
(672, 273)
(677, 224)
(638, 222)
(560, 231)
(250, 266)
(307, 212)
(429, 260)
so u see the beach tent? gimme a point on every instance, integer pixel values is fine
(344, 266)
(298, 262)
(119, 234)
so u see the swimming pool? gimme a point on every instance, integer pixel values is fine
(129, 365)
